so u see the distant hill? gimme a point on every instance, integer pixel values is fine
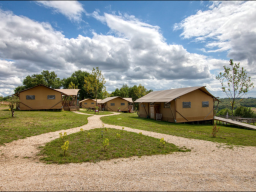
(246, 102)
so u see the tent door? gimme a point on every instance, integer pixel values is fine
(152, 112)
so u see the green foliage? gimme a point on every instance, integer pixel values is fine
(234, 82)
(245, 112)
(65, 147)
(61, 136)
(215, 130)
(105, 143)
(134, 92)
(162, 142)
(94, 82)
(77, 78)
(81, 129)
(89, 135)
(224, 112)
(46, 78)
(72, 86)
(140, 133)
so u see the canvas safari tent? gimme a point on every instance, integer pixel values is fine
(178, 105)
(115, 104)
(88, 103)
(69, 99)
(39, 97)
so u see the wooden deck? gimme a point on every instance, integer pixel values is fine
(235, 123)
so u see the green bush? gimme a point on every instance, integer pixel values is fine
(223, 112)
(244, 112)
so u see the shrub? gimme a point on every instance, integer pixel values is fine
(81, 129)
(244, 112)
(61, 136)
(89, 135)
(105, 143)
(118, 136)
(223, 112)
(162, 142)
(215, 130)
(140, 133)
(65, 147)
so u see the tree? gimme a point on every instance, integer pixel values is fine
(234, 82)
(94, 82)
(72, 85)
(12, 103)
(51, 79)
(78, 79)
(46, 78)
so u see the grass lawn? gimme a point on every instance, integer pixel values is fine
(85, 149)
(227, 134)
(93, 113)
(29, 123)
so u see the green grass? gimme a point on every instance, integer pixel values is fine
(93, 113)
(227, 134)
(30, 123)
(84, 149)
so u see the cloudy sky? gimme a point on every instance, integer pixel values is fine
(161, 45)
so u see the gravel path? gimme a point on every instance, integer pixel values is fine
(207, 167)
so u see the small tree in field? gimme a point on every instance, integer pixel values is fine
(94, 82)
(13, 101)
(234, 82)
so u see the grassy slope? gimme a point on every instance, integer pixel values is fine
(93, 113)
(83, 149)
(226, 134)
(29, 123)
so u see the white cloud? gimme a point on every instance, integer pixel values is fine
(71, 9)
(227, 26)
(133, 52)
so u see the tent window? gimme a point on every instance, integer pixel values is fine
(186, 104)
(167, 105)
(142, 105)
(50, 96)
(30, 97)
(85, 103)
(112, 104)
(122, 103)
(92, 103)
(205, 104)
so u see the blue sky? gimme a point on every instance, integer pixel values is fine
(159, 44)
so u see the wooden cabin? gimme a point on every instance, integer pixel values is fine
(39, 97)
(69, 99)
(114, 104)
(88, 103)
(178, 105)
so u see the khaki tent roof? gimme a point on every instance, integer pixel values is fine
(169, 95)
(128, 99)
(98, 100)
(69, 92)
(36, 86)
(109, 99)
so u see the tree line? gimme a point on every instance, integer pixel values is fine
(91, 85)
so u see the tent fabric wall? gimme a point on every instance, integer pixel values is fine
(117, 101)
(88, 103)
(41, 101)
(196, 112)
